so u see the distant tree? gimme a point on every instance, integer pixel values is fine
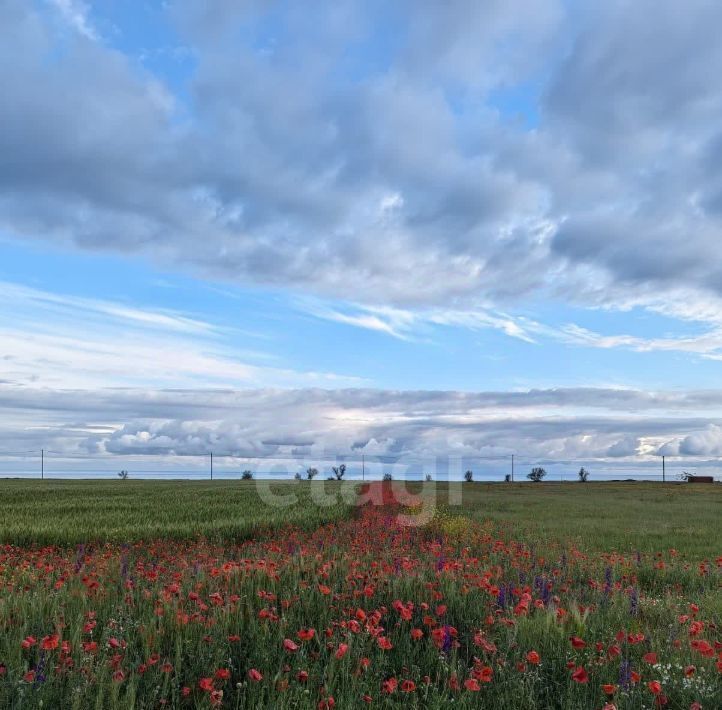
(583, 474)
(469, 476)
(388, 477)
(429, 478)
(298, 476)
(247, 475)
(339, 471)
(311, 472)
(536, 474)
(685, 476)
(507, 478)
(123, 475)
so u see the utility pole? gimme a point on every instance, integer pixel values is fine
(363, 467)
(512, 468)
(664, 476)
(42, 463)
(211, 465)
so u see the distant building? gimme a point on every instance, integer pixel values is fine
(700, 479)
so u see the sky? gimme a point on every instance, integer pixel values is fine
(278, 230)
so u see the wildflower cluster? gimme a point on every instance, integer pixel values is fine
(362, 611)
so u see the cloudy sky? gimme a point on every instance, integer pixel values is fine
(275, 229)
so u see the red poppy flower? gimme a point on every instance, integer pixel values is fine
(255, 675)
(483, 673)
(579, 675)
(655, 687)
(290, 646)
(341, 651)
(408, 686)
(577, 642)
(472, 684)
(533, 658)
(206, 684)
(50, 643)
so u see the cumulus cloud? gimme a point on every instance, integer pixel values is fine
(306, 153)
(706, 443)
(558, 425)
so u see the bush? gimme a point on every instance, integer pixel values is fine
(429, 478)
(583, 474)
(339, 471)
(247, 475)
(388, 477)
(536, 474)
(123, 475)
(469, 476)
(311, 472)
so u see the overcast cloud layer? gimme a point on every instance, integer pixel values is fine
(390, 169)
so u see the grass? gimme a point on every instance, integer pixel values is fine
(72, 512)
(625, 517)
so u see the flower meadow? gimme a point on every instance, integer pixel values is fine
(362, 611)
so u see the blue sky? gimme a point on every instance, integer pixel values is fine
(282, 330)
(465, 203)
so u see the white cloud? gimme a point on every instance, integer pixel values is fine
(414, 324)
(609, 427)
(77, 14)
(399, 182)
(56, 340)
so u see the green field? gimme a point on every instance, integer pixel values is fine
(71, 512)
(648, 517)
(626, 517)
